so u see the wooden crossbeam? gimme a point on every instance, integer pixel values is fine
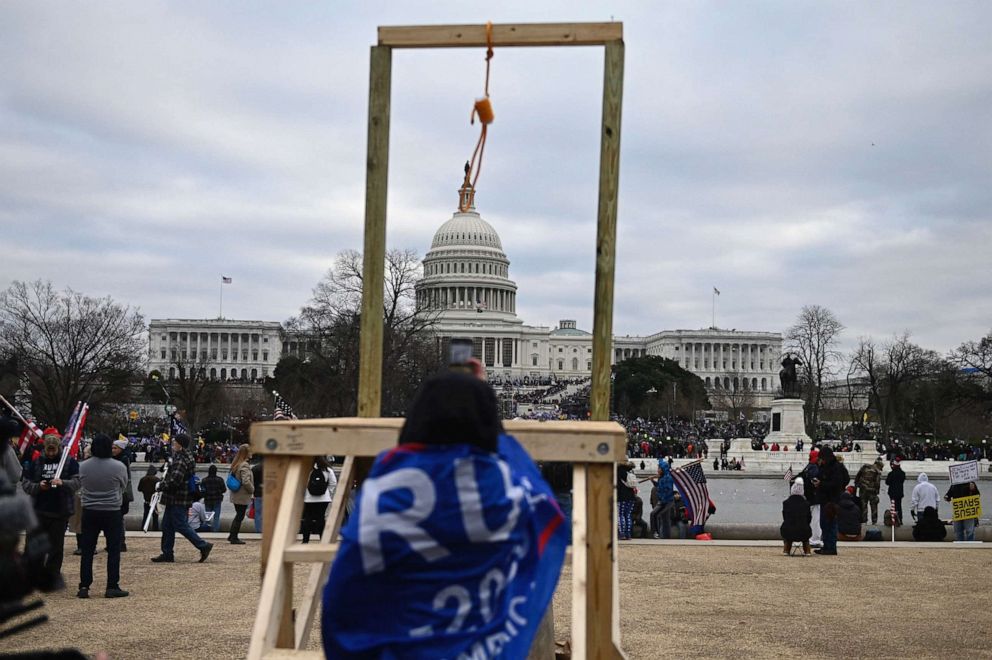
(503, 35)
(577, 442)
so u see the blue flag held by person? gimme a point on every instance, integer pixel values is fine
(452, 551)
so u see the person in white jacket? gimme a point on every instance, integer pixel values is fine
(924, 494)
(320, 487)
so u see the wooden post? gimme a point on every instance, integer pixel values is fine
(374, 254)
(602, 611)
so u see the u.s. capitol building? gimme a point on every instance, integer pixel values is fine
(466, 285)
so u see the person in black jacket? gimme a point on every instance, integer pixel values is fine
(929, 527)
(829, 484)
(53, 498)
(895, 480)
(626, 494)
(796, 519)
(849, 514)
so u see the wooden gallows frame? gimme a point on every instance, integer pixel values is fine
(593, 447)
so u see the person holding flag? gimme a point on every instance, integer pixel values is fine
(455, 544)
(691, 483)
(52, 496)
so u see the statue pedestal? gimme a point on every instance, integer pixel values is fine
(787, 422)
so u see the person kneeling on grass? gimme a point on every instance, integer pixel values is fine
(199, 518)
(849, 517)
(796, 518)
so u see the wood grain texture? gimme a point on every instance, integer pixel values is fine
(504, 35)
(589, 442)
(606, 231)
(318, 574)
(374, 250)
(273, 621)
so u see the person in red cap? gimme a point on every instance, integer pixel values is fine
(810, 472)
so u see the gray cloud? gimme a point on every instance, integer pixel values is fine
(788, 154)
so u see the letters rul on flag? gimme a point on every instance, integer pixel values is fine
(691, 482)
(462, 547)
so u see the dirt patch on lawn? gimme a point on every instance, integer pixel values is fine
(681, 601)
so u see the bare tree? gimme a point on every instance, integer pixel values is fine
(739, 398)
(69, 346)
(814, 338)
(196, 394)
(323, 380)
(976, 355)
(888, 371)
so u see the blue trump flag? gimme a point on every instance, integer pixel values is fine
(451, 552)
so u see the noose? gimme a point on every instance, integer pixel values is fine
(484, 110)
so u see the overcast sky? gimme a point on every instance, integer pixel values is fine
(787, 153)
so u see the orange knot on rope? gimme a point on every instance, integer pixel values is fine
(483, 109)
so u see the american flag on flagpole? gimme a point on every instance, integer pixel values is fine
(282, 410)
(788, 475)
(31, 431)
(691, 482)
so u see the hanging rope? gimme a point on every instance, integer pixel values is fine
(484, 110)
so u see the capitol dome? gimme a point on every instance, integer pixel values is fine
(466, 272)
(467, 228)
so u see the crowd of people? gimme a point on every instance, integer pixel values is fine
(92, 495)
(826, 505)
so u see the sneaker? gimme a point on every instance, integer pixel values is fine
(163, 559)
(821, 551)
(205, 552)
(235, 541)
(115, 592)
(84, 592)
(785, 553)
(657, 535)
(78, 552)
(123, 547)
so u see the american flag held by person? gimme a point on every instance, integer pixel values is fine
(282, 410)
(788, 475)
(691, 482)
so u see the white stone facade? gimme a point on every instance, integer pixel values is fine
(466, 284)
(223, 349)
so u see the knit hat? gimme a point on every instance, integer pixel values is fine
(51, 431)
(814, 455)
(51, 440)
(896, 461)
(120, 444)
(878, 462)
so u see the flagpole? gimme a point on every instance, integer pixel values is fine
(713, 320)
(220, 315)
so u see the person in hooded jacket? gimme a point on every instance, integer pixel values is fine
(796, 518)
(924, 494)
(849, 516)
(894, 480)
(661, 514)
(829, 484)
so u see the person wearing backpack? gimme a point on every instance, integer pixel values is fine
(179, 488)
(869, 483)
(241, 475)
(320, 487)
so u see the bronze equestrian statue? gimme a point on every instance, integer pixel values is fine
(788, 377)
